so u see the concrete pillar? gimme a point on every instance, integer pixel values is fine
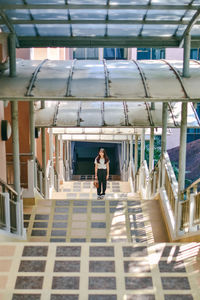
(12, 54)
(151, 150)
(186, 58)
(44, 160)
(32, 137)
(136, 153)
(15, 142)
(142, 148)
(61, 147)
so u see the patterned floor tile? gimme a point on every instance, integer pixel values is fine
(32, 266)
(67, 266)
(102, 266)
(65, 283)
(26, 297)
(138, 283)
(175, 283)
(35, 251)
(102, 283)
(64, 297)
(29, 282)
(101, 251)
(68, 251)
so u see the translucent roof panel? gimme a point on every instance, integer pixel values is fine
(49, 14)
(53, 30)
(126, 14)
(156, 23)
(88, 30)
(95, 14)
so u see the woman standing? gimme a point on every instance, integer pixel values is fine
(101, 172)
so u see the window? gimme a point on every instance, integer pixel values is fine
(86, 53)
(114, 53)
(194, 53)
(194, 133)
(150, 53)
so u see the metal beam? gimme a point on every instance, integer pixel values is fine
(186, 60)
(96, 6)
(95, 42)
(6, 21)
(190, 25)
(88, 99)
(106, 21)
(12, 54)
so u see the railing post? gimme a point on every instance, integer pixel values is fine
(32, 136)
(7, 210)
(136, 153)
(164, 140)
(142, 148)
(151, 150)
(12, 54)
(186, 60)
(51, 157)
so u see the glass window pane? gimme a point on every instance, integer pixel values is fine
(143, 53)
(109, 53)
(194, 53)
(158, 53)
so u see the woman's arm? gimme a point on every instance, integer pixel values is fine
(96, 169)
(108, 169)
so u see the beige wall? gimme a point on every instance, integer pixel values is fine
(2, 147)
(24, 53)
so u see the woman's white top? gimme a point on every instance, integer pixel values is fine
(101, 164)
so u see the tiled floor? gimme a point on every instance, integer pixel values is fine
(80, 217)
(85, 271)
(89, 249)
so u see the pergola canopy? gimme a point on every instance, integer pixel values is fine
(101, 23)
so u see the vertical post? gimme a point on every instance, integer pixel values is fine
(131, 148)
(186, 61)
(142, 150)
(151, 150)
(51, 156)
(32, 137)
(127, 154)
(15, 142)
(61, 167)
(182, 150)
(12, 54)
(44, 160)
(136, 153)
(57, 153)
(163, 140)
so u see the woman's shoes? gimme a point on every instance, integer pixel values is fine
(98, 197)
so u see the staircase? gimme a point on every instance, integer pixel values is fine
(81, 248)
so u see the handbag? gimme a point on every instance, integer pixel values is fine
(96, 184)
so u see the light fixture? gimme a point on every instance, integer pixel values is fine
(5, 130)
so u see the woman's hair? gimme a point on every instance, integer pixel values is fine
(105, 155)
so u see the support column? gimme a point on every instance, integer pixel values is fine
(151, 150)
(32, 138)
(127, 154)
(44, 160)
(136, 153)
(57, 153)
(142, 148)
(61, 166)
(15, 142)
(12, 54)
(186, 61)
(163, 140)
(51, 156)
(182, 151)
(131, 148)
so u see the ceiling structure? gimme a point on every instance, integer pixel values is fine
(101, 23)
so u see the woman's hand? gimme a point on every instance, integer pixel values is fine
(107, 177)
(95, 176)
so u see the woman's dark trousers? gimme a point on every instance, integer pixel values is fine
(101, 174)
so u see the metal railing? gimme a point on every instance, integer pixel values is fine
(11, 210)
(40, 178)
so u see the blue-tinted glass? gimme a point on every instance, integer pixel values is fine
(194, 53)
(85, 53)
(109, 53)
(120, 53)
(143, 53)
(158, 53)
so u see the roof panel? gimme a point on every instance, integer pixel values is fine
(123, 30)
(25, 30)
(18, 14)
(45, 1)
(164, 14)
(90, 14)
(88, 30)
(54, 30)
(92, 2)
(159, 30)
(126, 14)
(49, 14)
(170, 2)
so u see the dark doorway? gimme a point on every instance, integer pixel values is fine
(84, 154)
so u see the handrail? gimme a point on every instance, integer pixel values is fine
(192, 185)
(3, 183)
